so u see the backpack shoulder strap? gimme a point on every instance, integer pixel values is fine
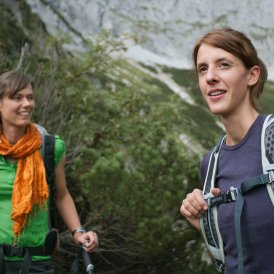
(267, 150)
(48, 153)
(48, 150)
(209, 221)
(48, 156)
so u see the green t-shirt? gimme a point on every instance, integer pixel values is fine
(37, 226)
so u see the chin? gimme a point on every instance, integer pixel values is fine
(216, 111)
(24, 123)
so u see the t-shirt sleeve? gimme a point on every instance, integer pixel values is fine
(59, 151)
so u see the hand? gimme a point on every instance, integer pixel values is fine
(89, 240)
(194, 205)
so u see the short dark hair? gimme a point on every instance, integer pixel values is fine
(13, 81)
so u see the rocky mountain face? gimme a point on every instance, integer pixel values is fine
(166, 32)
(167, 29)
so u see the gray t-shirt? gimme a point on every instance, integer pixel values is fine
(236, 164)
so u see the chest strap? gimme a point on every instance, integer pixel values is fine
(226, 197)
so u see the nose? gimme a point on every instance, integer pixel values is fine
(212, 75)
(26, 102)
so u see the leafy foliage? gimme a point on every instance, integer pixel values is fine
(127, 168)
(127, 165)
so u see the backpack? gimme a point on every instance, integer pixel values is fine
(209, 221)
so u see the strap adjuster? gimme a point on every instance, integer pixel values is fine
(271, 176)
(219, 265)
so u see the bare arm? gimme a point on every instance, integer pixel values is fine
(68, 212)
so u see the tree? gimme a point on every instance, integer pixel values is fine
(127, 168)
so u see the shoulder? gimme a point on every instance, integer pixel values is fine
(204, 165)
(261, 123)
(59, 150)
(59, 143)
(205, 160)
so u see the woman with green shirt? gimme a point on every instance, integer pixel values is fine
(24, 190)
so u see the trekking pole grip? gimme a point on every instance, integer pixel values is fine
(88, 263)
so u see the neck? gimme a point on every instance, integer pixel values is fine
(13, 134)
(237, 126)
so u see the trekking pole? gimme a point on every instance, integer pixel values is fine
(74, 269)
(87, 260)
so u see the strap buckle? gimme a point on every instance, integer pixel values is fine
(226, 197)
(232, 194)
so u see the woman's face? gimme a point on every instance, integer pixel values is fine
(224, 81)
(16, 111)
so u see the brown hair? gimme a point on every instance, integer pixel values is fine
(238, 44)
(13, 81)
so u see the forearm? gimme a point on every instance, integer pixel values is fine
(68, 212)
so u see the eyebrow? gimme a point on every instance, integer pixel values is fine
(216, 61)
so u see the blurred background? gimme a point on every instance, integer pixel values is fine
(114, 79)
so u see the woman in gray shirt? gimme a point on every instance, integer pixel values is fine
(231, 79)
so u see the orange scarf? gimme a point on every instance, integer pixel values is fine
(30, 185)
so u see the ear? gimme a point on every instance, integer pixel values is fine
(253, 75)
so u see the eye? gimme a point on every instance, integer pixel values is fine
(202, 69)
(224, 65)
(16, 97)
(30, 97)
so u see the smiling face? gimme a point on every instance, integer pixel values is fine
(16, 110)
(224, 81)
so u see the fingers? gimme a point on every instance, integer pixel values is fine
(194, 204)
(215, 191)
(90, 241)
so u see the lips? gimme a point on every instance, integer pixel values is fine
(216, 92)
(24, 114)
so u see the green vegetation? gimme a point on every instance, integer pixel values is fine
(266, 102)
(133, 146)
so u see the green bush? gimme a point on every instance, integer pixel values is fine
(127, 168)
